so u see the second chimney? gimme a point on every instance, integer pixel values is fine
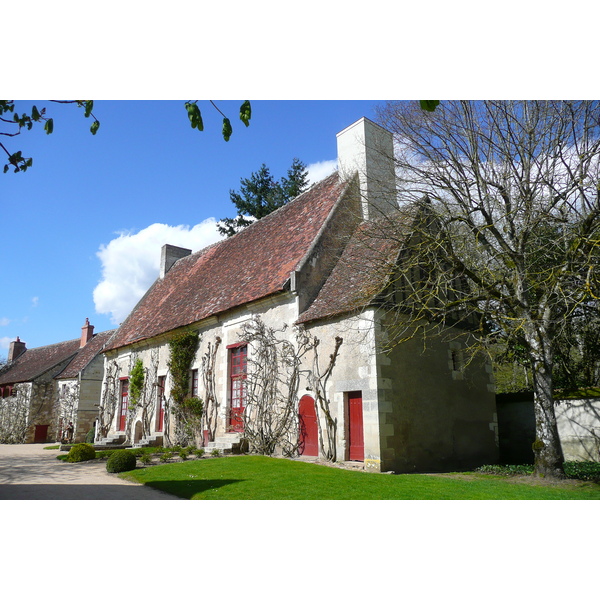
(87, 333)
(169, 256)
(15, 349)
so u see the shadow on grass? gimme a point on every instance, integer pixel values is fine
(188, 489)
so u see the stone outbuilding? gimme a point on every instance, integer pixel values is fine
(33, 402)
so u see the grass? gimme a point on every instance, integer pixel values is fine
(264, 478)
(591, 392)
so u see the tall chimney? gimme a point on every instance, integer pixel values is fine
(15, 349)
(368, 149)
(87, 333)
(169, 256)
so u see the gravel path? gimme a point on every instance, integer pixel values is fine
(28, 472)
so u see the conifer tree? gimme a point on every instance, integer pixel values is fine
(261, 194)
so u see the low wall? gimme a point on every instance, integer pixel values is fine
(578, 422)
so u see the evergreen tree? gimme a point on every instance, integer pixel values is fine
(260, 195)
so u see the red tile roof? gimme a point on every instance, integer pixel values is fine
(36, 361)
(362, 271)
(86, 354)
(253, 264)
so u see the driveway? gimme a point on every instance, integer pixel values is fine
(28, 472)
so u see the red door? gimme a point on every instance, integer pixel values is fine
(238, 373)
(41, 434)
(124, 402)
(309, 432)
(356, 441)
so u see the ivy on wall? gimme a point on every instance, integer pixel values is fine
(182, 353)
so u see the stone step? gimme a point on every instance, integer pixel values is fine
(149, 440)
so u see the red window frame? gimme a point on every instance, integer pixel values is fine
(238, 373)
(124, 403)
(160, 417)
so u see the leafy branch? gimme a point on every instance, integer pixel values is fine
(26, 120)
(195, 117)
(14, 123)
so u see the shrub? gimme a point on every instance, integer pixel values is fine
(183, 454)
(585, 470)
(215, 452)
(89, 438)
(199, 452)
(166, 456)
(146, 458)
(121, 460)
(81, 452)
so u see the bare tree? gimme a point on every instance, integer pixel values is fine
(68, 401)
(504, 241)
(14, 416)
(211, 403)
(110, 400)
(274, 368)
(319, 385)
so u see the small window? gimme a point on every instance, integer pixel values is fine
(194, 382)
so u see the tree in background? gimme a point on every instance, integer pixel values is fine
(260, 195)
(505, 209)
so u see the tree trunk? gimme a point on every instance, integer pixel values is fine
(546, 447)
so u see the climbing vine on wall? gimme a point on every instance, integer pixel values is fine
(187, 411)
(182, 351)
(136, 382)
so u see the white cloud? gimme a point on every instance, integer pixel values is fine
(131, 262)
(5, 342)
(4, 321)
(35, 301)
(320, 170)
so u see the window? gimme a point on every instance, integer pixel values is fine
(456, 361)
(238, 371)
(194, 382)
(160, 413)
(124, 403)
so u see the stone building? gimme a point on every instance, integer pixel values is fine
(79, 385)
(32, 400)
(310, 268)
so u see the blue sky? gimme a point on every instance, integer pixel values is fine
(84, 226)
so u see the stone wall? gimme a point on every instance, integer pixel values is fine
(578, 422)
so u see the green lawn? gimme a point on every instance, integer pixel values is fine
(264, 478)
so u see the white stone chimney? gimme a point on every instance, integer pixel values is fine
(368, 149)
(169, 256)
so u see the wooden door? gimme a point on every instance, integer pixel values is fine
(356, 442)
(124, 402)
(309, 432)
(41, 434)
